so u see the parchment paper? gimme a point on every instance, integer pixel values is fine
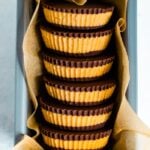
(129, 133)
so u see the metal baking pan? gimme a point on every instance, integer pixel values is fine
(14, 104)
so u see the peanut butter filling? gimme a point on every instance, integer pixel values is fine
(76, 144)
(81, 96)
(71, 72)
(77, 20)
(75, 45)
(73, 120)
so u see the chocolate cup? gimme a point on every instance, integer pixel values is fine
(89, 43)
(50, 104)
(53, 132)
(77, 69)
(81, 62)
(51, 108)
(70, 16)
(74, 33)
(100, 84)
(68, 92)
(67, 139)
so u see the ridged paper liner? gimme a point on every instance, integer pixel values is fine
(76, 34)
(46, 147)
(78, 62)
(77, 17)
(75, 118)
(80, 86)
(75, 140)
(76, 43)
(80, 93)
(49, 105)
(77, 69)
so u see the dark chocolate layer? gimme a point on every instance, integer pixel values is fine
(78, 27)
(74, 33)
(54, 148)
(85, 103)
(76, 79)
(51, 105)
(100, 84)
(78, 62)
(74, 135)
(86, 128)
(75, 55)
(89, 8)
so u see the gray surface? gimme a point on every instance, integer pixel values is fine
(21, 96)
(132, 51)
(13, 93)
(143, 49)
(7, 72)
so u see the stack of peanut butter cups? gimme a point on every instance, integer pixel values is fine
(79, 102)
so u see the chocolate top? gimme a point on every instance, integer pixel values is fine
(52, 105)
(74, 33)
(100, 84)
(94, 61)
(88, 8)
(52, 132)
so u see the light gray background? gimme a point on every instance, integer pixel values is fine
(7, 72)
(143, 49)
(13, 92)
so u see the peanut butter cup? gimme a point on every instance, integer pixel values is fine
(69, 15)
(60, 139)
(73, 117)
(78, 69)
(80, 93)
(75, 42)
